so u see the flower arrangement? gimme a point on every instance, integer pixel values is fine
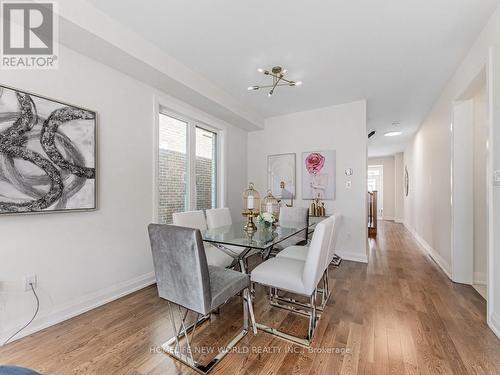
(266, 218)
(315, 162)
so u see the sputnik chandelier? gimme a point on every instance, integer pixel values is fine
(278, 76)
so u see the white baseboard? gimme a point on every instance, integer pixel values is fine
(399, 220)
(480, 278)
(355, 257)
(80, 306)
(389, 218)
(494, 324)
(443, 264)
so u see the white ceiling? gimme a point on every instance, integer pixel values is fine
(398, 54)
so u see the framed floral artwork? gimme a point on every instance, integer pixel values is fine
(318, 175)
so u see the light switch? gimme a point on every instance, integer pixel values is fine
(496, 178)
(348, 184)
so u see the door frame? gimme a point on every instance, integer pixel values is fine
(486, 69)
(380, 195)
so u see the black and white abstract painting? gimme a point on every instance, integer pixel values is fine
(47, 154)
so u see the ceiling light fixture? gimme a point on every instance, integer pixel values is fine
(392, 134)
(278, 76)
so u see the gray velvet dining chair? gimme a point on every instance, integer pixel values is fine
(185, 279)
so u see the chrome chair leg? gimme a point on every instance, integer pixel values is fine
(172, 322)
(311, 314)
(185, 355)
(196, 319)
(189, 352)
(249, 303)
(312, 317)
(245, 311)
(284, 302)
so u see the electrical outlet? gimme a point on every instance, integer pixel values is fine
(30, 279)
(348, 184)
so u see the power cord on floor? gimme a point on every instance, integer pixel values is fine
(33, 318)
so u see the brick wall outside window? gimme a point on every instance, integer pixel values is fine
(172, 175)
(205, 186)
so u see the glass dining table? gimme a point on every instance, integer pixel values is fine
(261, 241)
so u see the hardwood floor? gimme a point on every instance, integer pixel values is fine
(399, 314)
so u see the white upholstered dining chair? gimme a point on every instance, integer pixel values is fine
(297, 277)
(221, 217)
(196, 220)
(300, 253)
(293, 217)
(218, 217)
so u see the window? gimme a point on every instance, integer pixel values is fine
(187, 166)
(206, 169)
(172, 168)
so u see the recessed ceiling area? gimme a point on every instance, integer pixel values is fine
(395, 54)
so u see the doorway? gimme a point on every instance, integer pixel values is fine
(376, 183)
(470, 169)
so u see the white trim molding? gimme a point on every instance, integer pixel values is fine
(494, 324)
(79, 306)
(435, 256)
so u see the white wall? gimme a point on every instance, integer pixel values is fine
(83, 259)
(399, 187)
(428, 156)
(389, 185)
(341, 128)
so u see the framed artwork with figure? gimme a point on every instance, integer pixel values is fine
(281, 176)
(318, 175)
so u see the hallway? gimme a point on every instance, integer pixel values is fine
(398, 314)
(431, 325)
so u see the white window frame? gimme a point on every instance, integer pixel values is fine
(193, 118)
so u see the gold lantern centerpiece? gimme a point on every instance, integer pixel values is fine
(251, 205)
(270, 205)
